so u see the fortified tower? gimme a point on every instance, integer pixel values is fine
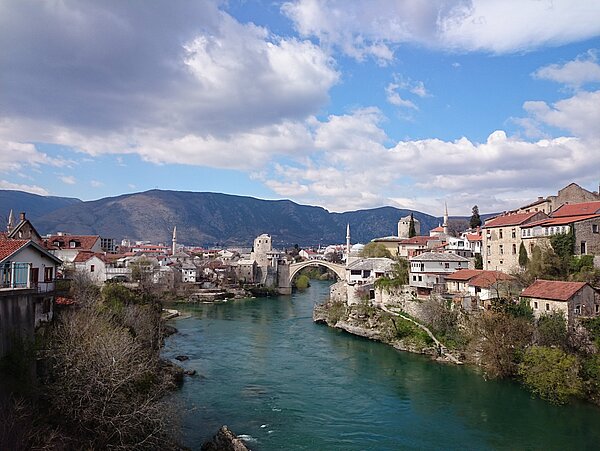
(262, 245)
(404, 227)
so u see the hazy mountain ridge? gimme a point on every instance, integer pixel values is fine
(205, 218)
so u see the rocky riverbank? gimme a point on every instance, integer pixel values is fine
(368, 321)
(224, 440)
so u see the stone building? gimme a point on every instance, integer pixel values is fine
(502, 237)
(573, 299)
(582, 218)
(404, 226)
(428, 270)
(570, 194)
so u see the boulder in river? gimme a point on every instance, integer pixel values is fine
(224, 440)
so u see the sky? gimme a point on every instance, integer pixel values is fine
(338, 103)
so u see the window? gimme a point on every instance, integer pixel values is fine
(489, 250)
(92, 268)
(595, 228)
(513, 233)
(414, 278)
(578, 309)
(501, 248)
(500, 233)
(597, 308)
(547, 307)
(535, 305)
(514, 248)
(48, 272)
(583, 248)
(501, 262)
(420, 279)
(447, 265)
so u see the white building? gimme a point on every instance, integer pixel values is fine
(366, 270)
(428, 270)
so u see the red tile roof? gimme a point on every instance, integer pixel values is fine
(463, 274)
(474, 237)
(419, 240)
(84, 256)
(437, 229)
(488, 278)
(510, 219)
(9, 247)
(562, 220)
(552, 289)
(86, 242)
(584, 208)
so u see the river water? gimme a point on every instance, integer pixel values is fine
(284, 383)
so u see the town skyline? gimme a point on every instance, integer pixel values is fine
(293, 100)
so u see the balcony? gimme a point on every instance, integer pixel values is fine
(22, 276)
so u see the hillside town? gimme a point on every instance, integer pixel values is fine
(473, 269)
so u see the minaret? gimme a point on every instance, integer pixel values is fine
(445, 225)
(11, 222)
(174, 250)
(347, 242)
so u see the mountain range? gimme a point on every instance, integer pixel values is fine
(202, 218)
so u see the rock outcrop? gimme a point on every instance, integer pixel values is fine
(224, 440)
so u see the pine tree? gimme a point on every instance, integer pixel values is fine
(411, 227)
(475, 218)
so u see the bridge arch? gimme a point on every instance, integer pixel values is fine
(339, 270)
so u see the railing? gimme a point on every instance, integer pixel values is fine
(15, 275)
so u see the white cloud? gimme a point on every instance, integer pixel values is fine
(182, 83)
(497, 26)
(68, 179)
(584, 69)
(353, 169)
(19, 155)
(96, 184)
(579, 115)
(20, 187)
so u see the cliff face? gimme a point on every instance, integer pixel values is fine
(205, 218)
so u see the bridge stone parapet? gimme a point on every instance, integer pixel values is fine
(285, 283)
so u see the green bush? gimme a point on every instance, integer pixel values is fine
(552, 330)
(551, 374)
(302, 282)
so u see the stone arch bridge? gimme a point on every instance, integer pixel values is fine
(285, 282)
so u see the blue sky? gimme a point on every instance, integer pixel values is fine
(343, 104)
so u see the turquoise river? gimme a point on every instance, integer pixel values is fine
(284, 383)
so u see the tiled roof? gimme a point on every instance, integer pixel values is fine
(562, 220)
(474, 236)
(9, 247)
(84, 256)
(86, 242)
(438, 256)
(437, 229)
(419, 240)
(510, 219)
(552, 289)
(463, 274)
(584, 208)
(486, 279)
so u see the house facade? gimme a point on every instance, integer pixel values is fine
(502, 237)
(574, 299)
(428, 270)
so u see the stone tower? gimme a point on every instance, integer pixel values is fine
(174, 247)
(262, 246)
(347, 242)
(404, 227)
(11, 222)
(445, 225)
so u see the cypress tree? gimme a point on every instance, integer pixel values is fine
(475, 218)
(411, 227)
(523, 258)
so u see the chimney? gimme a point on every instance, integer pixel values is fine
(22, 216)
(540, 197)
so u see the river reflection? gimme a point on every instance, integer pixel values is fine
(271, 374)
